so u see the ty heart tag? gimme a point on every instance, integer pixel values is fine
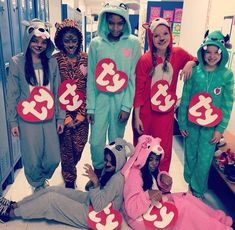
(70, 98)
(202, 111)
(108, 78)
(161, 99)
(161, 216)
(107, 219)
(38, 107)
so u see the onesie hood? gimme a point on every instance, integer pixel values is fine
(38, 28)
(151, 26)
(119, 8)
(62, 28)
(121, 150)
(215, 38)
(145, 146)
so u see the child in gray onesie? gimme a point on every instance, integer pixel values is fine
(70, 206)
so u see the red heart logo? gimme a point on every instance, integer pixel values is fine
(108, 78)
(70, 98)
(108, 218)
(161, 99)
(161, 216)
(38, 107)
(202, 112)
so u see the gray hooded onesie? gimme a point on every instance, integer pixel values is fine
(39, 141)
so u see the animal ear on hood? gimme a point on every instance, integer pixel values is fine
(48, 24)
(134, 5)
(227, 44)
(206, 34)
(25, 23)
(146, 25)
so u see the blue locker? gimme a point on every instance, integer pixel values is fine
(5, 31)
(15, 24)
(40, 9)
(5, 159)
(30, 6)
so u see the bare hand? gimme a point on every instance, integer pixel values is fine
(90, 118)
(139, 126)
(184, 133)
(155, 195)
(89, 172)
(60, 128)
(15, 131)
(187, 70)
(123, 116)
(166, 179)
(216, 137)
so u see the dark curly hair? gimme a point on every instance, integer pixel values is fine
(59, 38)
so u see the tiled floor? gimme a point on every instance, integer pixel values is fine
(20, 188)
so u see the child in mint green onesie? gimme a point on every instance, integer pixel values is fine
(112, 58)
(205, 109)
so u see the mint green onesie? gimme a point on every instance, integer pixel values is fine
(107, 105)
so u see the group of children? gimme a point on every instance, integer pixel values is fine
(61, 94)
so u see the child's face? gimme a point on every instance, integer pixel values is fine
(212, 56)
(70, 43)
(37, 45)
(161, 37)
(108, 164)
(154, 161)
(115, 25)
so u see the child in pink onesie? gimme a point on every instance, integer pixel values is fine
(148, 203)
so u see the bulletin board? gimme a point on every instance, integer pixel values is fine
(170, 10)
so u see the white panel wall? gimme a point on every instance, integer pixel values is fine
(194, 24)
(55, 15)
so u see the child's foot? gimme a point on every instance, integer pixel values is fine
(5, 207)
(40, 187)
(70, 185)
(224, 219)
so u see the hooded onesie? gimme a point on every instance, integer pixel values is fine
(155, 122)
(111, 80)
(73, 139)
(38, 137)
(72, 206)
(191, 212)
(218, 86)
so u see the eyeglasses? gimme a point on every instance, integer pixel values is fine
(122, 5)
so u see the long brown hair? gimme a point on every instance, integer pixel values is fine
(29, 69)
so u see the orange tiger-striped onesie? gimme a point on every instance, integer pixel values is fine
(74, 137)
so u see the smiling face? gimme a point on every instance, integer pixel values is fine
(161, 37)
(154, 161)
(115, 25)
(212, 56)
(109, 163)
(70, 43)
(37, 45)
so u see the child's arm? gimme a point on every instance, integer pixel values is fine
(183, 108)
(13, 95)
(91, 88)
(164, 181)
(127, 101)
(227, 101)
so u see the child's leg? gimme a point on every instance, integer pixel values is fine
(54, 206)
(190, 152)
(205, 155)
(70, 193)
(200, 216)
(98, 140)
(215, 213)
